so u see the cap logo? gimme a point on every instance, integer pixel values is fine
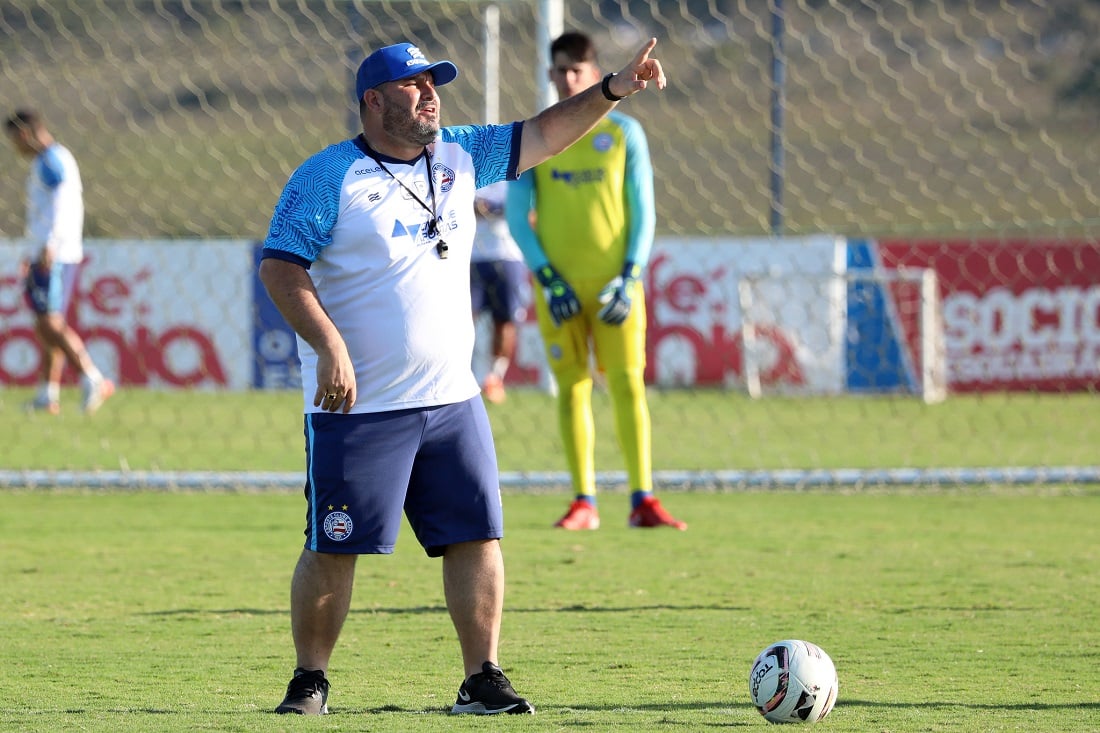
(399, 61)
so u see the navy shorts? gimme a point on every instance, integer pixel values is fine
(51, 291)
(438, 464)
(499, 287)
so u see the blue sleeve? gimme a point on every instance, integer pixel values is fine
(638, 185)
(307, 209)
(517, 212)
(50, 168)
(493, 148)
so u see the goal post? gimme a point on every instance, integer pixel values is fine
(548, 25)
(857, 332)
(934, 347)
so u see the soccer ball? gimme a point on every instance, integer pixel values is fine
(793, 681)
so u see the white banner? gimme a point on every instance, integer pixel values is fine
(695, 319)
(184, 314)
(695, 326)
(159, 314)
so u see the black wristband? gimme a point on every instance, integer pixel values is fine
(606, 89)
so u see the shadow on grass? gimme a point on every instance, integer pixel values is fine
(558, 710)
(418, 610)
(548, 710)
(944, 705)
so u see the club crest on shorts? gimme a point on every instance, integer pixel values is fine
(338, 526)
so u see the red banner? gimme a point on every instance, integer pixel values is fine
(1019, 314)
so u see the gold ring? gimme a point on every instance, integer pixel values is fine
(331, 395)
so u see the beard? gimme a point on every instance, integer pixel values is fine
(398, 123)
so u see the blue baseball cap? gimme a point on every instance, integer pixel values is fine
(399, 61)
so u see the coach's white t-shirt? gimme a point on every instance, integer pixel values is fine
(55, 205)
(402, 309)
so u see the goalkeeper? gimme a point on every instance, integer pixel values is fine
(584, 221)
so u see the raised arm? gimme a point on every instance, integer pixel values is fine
(557, 127)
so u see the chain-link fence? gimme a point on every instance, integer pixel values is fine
(936, 119)
(939, 116)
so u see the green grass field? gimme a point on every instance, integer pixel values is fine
(960, 610)
(945, 608)
(692, 430)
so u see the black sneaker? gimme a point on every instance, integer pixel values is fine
(307, 694)
(489, 692)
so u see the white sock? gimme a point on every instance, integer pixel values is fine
(500, 366)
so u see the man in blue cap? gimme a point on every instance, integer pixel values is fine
(368, 259)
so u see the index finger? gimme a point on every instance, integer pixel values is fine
(643, 53)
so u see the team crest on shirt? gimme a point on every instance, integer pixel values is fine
(602, 142)
(338, 526)
(446, 177)
(421, 190)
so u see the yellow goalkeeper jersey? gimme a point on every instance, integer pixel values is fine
(593, 204)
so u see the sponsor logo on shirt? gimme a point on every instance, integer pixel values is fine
(401, 229)
(421, 191)
(578, 178)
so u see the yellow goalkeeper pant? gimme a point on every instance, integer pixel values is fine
(619, 354)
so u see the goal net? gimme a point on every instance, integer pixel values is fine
(860, 332)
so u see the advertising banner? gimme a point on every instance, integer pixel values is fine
(1018, 314)
(695, 335)
(887, 331)
(274, 345)
(158, 314)
(695, 289)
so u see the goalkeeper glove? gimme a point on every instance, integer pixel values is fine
(559, 294)
(616, 295)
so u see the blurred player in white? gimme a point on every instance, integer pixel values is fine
(55, 234)
(498, 284)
